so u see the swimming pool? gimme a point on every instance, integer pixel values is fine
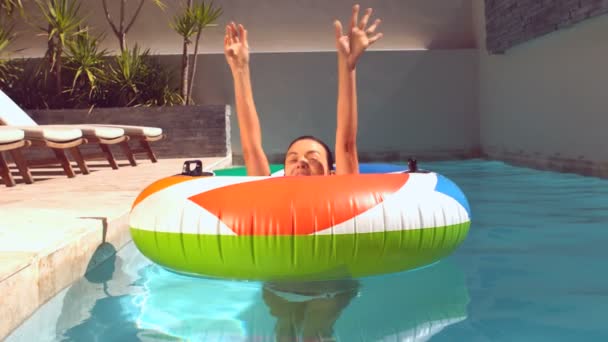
(532, 268)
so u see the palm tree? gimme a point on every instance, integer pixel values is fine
(193, 19)
(86, 62)
(204, 17)
(9, 6)
(63, 21)
(122, 29)
(6, 38)
(184, 24)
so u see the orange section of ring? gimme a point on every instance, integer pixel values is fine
(158, 186)
(297, 205)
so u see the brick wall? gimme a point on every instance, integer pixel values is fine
(510, 22)
(192, 131)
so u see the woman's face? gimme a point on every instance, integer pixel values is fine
(306, 157)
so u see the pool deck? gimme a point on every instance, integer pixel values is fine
(50, 230)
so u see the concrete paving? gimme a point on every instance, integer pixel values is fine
(50, 230)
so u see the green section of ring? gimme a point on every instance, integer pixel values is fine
(299, 257)
(242, 171)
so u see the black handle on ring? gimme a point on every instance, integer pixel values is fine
(197, 171)
(412, 167)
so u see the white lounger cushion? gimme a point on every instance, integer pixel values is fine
(138, 130)
(101, 132)
(10, 135)
(55, 134)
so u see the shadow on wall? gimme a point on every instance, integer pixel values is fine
(460, 21)
(277, 26)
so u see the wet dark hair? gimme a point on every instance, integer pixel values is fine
(330, 156)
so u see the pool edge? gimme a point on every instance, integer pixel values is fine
(32, 282)
(48, 274)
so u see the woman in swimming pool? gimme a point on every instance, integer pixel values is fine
(306, 155)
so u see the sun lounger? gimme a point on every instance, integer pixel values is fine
(12, 140)
(58, 139)
(144, 135)
(103, 134)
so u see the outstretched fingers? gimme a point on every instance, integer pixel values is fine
(338, 27)
(228, 36)
(234, 33)
(374, 26)
(374, 38)
(365, 19)
(243, 34)
(354, 17)
(228, 45)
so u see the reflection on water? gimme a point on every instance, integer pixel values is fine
(129, 299)
(308, 309)
(192, 308)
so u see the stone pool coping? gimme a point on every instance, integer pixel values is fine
(50, 230)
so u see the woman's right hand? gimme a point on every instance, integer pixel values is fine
(358, 38)
(236, 47)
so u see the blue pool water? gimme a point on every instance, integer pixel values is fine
(533, 268)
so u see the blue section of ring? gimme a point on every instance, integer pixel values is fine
(444, 185)
(380, 168)
(447, 187)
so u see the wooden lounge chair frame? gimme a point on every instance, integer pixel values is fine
(144, 147)
(14, 148)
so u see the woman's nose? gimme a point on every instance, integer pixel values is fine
(303, 162)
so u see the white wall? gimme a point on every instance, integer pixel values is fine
(283, 26)
(421, 103)
(410, 103)
(544, 102)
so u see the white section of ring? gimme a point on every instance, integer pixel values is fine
(416, 205)
(164, 210)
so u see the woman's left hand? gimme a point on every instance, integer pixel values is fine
(352, 44)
